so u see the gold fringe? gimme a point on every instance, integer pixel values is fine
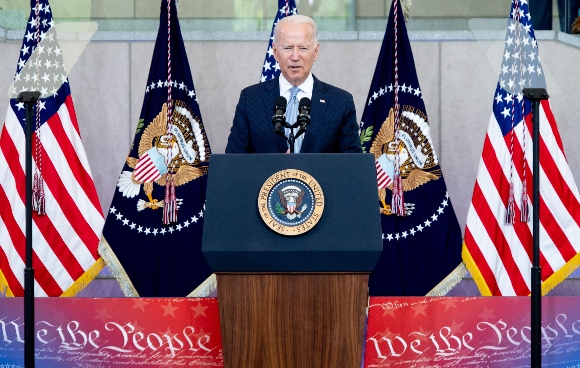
(205, 288)
(4, 289)
(73, 290)
(85, 279)
(556, 278)
(561, 275)
(475, 273)
(449, 282)
(117, 269)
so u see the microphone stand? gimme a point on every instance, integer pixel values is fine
(291, 137)
(535, 95)
(29, 99)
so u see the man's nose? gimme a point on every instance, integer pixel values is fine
(295, 53)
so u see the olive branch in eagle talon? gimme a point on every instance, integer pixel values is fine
(411, 179)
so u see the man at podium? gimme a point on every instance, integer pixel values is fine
(327, 113)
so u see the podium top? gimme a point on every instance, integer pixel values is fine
(347, 237)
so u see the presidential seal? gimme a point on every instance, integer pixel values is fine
(291, 202)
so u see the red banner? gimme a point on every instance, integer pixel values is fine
(470, 332)
(125, 332)
(402, 332)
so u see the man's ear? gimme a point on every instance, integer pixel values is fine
(275, 51)
(316, 51)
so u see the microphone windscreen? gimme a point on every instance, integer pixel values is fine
(305, 103)
(280, 104)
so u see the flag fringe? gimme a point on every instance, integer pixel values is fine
(4, 288)
(205, 288)
(561, 275)
(85, 279)
(474, 271)
(556, 278)
(117, 269)
(73, 290)
(449, 282)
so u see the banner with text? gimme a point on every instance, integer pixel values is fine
(108, 332)
(402, 332)
(470, 332)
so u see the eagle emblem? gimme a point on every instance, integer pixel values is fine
(290, 200)
(416, 154)
(189, 148)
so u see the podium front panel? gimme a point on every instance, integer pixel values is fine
(347, 238)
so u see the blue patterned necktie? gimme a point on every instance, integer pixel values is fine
(291, 115)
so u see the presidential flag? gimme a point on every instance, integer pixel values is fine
(271, 69)
(67, 217)
(421, 235)
(152, 235)
(498, 234)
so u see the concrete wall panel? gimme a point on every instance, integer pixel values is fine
(140, 63)
(220, 71)
(10, 52)
(561, 62)
(467, 91)
(100, 90)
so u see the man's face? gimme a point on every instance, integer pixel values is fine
(295, 52)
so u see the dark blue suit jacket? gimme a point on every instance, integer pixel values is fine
(333, 126)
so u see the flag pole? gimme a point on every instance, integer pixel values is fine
(535, 95)
(29, 99)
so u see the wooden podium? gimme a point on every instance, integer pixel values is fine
(292, 301)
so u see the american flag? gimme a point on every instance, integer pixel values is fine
(422, 250)
(148, 257)
(498, 241)
(271, 69)
(65, 239)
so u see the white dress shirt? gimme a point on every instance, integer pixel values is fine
(305, 91)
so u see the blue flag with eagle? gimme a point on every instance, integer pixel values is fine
(271, 69)
(168, 159)
(422, 249)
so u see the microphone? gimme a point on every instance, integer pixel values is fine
(279, 110)
(304, 114)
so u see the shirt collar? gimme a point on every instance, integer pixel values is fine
(305, 87)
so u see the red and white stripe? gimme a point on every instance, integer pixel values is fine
(145, 170)
(383, 179)
(500, 252)
(65, 240)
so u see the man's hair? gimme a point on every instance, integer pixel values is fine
(296, 19)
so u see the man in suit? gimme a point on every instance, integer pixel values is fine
(333, 126)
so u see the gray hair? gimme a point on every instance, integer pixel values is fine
(296, 19)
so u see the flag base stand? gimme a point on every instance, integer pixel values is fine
(29, 99)
(535, 95)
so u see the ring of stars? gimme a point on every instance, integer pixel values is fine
(156, 231)
(419, 228)
(163, 84)
(391, 88)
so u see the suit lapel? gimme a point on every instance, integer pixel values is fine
(272, 92)
(316, 115)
